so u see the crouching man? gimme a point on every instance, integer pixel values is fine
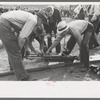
(38, 33)
(76, 28)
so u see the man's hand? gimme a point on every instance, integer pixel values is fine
(21, 41)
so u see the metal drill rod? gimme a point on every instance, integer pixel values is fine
(55, 58)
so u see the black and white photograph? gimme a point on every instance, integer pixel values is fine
(49, 49)
(49, 42)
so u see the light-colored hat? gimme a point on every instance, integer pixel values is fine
(61, 27)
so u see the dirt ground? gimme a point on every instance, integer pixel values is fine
(64, 73)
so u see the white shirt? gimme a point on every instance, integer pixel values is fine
(95, 10)
(76, 27)
(25, 20)
(77, 9)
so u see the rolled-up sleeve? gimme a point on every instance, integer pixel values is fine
(28, 27)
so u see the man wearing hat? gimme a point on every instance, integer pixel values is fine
(76, 28)
(53, 19)
(22, 23)
(38, 34)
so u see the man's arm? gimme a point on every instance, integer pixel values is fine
(96, 12)
(30, 39)
(55, 43)
(26, 30)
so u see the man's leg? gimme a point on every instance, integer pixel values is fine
(58, 47)
(84, 50)
(93, 39)
(15, 58)
(49, 42)
(70, 45)
(13, 50)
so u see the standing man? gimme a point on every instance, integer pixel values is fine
(22, 23)
(80, 13)
(76, 29)
(53, 19)
(94, 18)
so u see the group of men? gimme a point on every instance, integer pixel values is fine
(19, 28)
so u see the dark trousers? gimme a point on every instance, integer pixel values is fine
(93, 40)
(72, 41)
(70, 44)
(54, 29)
(84, 48)
(58, 47)
(13, 50)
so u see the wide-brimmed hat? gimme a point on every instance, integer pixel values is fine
(61, 27)
(43, 16)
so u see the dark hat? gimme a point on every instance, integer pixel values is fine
(43, 16)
